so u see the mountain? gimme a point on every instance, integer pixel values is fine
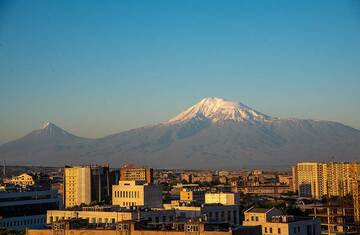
(49, 145)
(214, 133)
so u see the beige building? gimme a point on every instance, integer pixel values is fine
(272, 222)
(222, 198)
(130, 172)
(76, 227)
(135, 193)
(110, 215)
(313, 179)
(86, 184)
(24, 179)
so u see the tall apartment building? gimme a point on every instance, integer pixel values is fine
(86, 184)
(314, 179)
(135, 193)
(311, 179)
(356, 200)
(130, 172)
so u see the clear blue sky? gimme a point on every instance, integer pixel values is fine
(100, 67)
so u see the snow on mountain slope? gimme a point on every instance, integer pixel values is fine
(218, 109)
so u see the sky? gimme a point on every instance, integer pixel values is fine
(100, 67)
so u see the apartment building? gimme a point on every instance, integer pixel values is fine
(356, 200)
(130, 172)
(86, 184)
(314, 179)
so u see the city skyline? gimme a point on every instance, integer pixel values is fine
(98, 69)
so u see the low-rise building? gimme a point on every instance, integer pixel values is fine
(80, 227)
(111, 215)
(215, 213)
(222, 198)
(265, 190)
(23, 179)
(273, 222)
(135, 193)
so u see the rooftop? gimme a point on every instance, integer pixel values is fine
(258, 210)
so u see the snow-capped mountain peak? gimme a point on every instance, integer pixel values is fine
(46, 124)
(50, 129)
(218, 109)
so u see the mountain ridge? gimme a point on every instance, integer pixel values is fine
(212, 133)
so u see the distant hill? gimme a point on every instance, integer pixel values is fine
(214, 133)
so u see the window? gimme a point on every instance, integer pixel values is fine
(265, 229)
(257, 218)
(279, 231)
(270, 230)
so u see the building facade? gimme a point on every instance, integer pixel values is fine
(110, 215)
(272, 222)
(192, 195)
(86, 184)
(222, 198)
(80, 227)
(130, 172)
(135, 193)
(314, 179)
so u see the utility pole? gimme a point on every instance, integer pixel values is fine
(4, 169)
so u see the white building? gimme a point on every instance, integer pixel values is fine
(135, 193)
